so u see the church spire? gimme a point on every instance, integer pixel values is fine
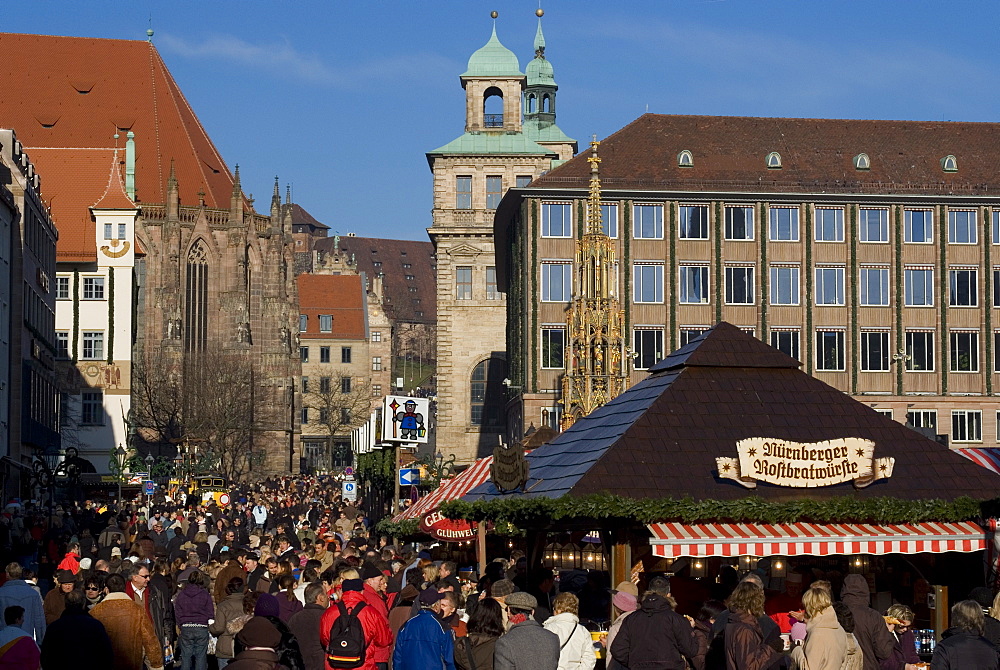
(539, 37)
(594, 223)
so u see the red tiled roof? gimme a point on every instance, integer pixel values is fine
(76, 92)
(300, 217)
(72, 181)
(114, 196)
(341, 296)
(400, 305)
(816, 154)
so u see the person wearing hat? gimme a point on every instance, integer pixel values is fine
(55, 599)
(625, 600)
(374, 592)
(655, 636)
(259, 639)
(375, 627)
(499, 591)
(527, 645)
(423, 642)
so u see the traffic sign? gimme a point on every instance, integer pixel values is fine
(409, 477)
(348, 471)
(350, 490)
(149, 488)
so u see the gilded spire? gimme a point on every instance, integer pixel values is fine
(594, 223)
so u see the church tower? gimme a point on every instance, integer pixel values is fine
(499, 149)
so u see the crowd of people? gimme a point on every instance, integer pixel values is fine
(290, 577)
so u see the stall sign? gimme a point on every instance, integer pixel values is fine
(444, 529)
(805, 464)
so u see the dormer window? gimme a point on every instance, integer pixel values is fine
(949, 164)
(685, 159)
(862, 162)
(773, 161)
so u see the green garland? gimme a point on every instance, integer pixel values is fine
(76, 313)
(900, 337)
(987, 260)
(673, 269)
(765, 273)
(855, 341)
(401, 529)
(626, 236)
(809, 290)
(534, 270)
(945, 344)
(719, 278)
(579, 219)
(111, 315)
(536, 512)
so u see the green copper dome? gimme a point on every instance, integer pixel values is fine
(540, 73)
(493, 60)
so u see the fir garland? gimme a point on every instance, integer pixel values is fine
(719, 279)
(945, 344)
(76, 313)
(401, 529)
(111, 315)
(809, 290)
(579, 219)
(673, 275)
(541, 512)
(626, 235)
(855, 337)
(898, 297)
(765, 273)
(533, 383)
(990, 298)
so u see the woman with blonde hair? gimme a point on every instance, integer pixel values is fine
(576, 649)
(899, 619)
(825, 645)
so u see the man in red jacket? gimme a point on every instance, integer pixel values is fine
(374, 593)
(375, 626)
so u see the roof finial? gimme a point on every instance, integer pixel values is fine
(277, 188)
(539, 37)
(236, 174)
(594, 222)
(288, 194)
(149, 31)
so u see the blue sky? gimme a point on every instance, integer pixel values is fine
(342, 100)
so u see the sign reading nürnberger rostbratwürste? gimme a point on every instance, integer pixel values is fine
(804, 464)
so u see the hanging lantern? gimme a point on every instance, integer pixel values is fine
(698, 567)
(778, 568)
(572, 556)
(590, 556)
(551, 555)
(557, 559)
(746, 563)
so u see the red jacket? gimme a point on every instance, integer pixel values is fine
(376, 628)
(377, 603)
(71, 561)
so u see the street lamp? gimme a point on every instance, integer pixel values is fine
(120, 454)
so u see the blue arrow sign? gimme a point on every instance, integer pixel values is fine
(409, 477)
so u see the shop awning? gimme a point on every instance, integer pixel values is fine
(453, 489)
(989, 457)
(673, 540)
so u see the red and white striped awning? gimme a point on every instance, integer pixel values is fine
(452, 489)
(673, 540)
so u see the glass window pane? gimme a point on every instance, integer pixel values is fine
(784, 224)
(739, 223)
(829, 224)
(648, 222)
(556, 220)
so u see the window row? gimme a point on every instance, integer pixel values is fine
(324, 354)
(784, 285)
(783, 223)
(92, 288)
(325, 323)
(966, 424)
(463, 283)
(325, 385)
(92, 345)
(494, 190)
(322, 416)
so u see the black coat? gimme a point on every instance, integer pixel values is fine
(70, 635)
(991, 631)
(960, 650)
(654, 637)
(304, 625)
(874, 639)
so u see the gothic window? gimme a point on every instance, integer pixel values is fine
(493, 108)
(196, 298)
(487, 397)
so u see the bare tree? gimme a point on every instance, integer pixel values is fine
(337, 405)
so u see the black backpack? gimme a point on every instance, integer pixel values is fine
(347, 639)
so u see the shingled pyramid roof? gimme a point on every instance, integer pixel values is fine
(661, 437)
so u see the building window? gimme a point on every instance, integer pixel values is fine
(494, 191)
(305, 385)
(93, 345)
(62, 288)
(92, 408)
(345, 384)
(962, 227)
(829, 224)
(376, 390)
(93, 288)
(345, 354)
(324, 384)
(786, 341)
(873, 225)
(648, 347)
(376, 363)
(885, 412)
(648, 280)
(463, 283)
(739, 223)
(196, 298)
(996, 286)
(784, 224)
(376, 336)
(693, 222)
(773, 161)
(556, 282)
(304, 415)
(739, 286)
(874, 351)
(486, 401)
(62, 343)
(553, 348)
(609, 219)
(862, 162)
(648, 222)
(829, 286)
(996, 351)
(919, 287)
(324, 354)
(996, 226)
(303, 323)
(918, 226)
(326, 323)
(304, 354)
(922, 418)
(784, 285)
(550, 417)
(949, 164)
(874, 287)
(688, 334)
(685, 159)
(345, 416)
(463, 192)
(522, 180)
(830, 353)
(919, 351)
(966, 425)
(964, 351)
(962, 288)
(694, 284)
(557, 220)
(491, 283)
(324, 415)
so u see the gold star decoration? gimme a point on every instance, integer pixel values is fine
(861, 452)
(752, 452)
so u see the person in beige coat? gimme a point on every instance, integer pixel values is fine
(854, 659)
(129, 628)
(825, 645)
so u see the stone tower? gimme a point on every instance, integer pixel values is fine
(499, 149)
